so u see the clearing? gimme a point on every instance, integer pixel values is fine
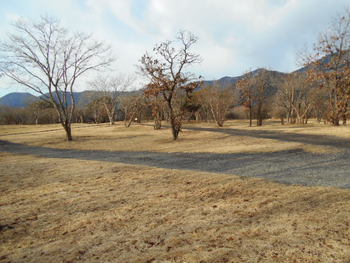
(120, 194)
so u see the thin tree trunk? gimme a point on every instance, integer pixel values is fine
(282, 120)
(68, 130)
(250, 117)
(111, 121)
(130, 121)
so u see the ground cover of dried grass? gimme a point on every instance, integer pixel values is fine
(64, 210)
(145, 138)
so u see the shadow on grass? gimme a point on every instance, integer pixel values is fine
(321, 140)
(290, 166)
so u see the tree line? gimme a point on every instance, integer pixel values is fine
(50, 60)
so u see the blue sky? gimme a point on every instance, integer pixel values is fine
(234, 35)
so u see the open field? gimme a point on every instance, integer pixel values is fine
(144, 138)
(76, 204)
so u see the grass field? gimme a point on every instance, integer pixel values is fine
(70, 210)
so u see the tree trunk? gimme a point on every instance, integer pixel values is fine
(111, 121)
(68, 130)
(336, 122)
(175, 128)
(157, 124)
(282, 120)
(175, 124)
(128, 123)
(250, 117)
(344, 118)
(197, 116)
(259, 115)
(157, 121)
(259, 121)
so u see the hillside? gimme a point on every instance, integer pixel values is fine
(17, 99)
(84, 97)
(225, 81)
(23, 99)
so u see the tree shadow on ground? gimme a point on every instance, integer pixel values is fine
(288, 166)
(320, 140)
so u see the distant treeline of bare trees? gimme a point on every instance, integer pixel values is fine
(135, 106)
(293, 99)
(46, 58)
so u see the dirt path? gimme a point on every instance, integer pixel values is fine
(291, 167)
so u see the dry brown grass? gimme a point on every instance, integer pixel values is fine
(59, 210)
(144, 138)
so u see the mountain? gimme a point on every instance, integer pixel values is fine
(17, 99)
(85, 97)
(226, 81)
(324, 62)
(23, 99)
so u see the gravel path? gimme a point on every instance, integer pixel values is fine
(290, 167)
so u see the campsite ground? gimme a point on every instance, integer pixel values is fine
(80, 201)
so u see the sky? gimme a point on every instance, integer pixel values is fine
(234, 35)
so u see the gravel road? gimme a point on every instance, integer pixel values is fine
(290, 167)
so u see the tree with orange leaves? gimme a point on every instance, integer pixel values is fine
(330, 67)
(166, 70)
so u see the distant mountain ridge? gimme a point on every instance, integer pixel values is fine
(23, 99)
(18, 99)
(233, 80)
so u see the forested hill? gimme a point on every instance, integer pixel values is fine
(22, 99)
(226, 81)
(82, 98)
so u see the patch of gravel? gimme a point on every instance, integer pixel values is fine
(289, 167)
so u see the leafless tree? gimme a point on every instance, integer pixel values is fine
(49, 60)
(295, 97)
(109, 90)
(285, 98)
(132, 106)
(330, 67)
(154, 99)
(95, 110)
(253, 89)
(37, 108)
(245, 87)
(302, 103)
(262, 83)
(166, 70)
(219, 100)
(319, 102)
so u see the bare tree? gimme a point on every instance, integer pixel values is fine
(285, 98)
(166, 70)
(245, 87)
(95, 110)
(319, 102)
(132, 106)
(219, 100)
(302, 103)
(254, 89)
(153, 98)
(330, 64)
(109, 90)
(49, 60)
(262, 83)
(37, 108)
(296, 96)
